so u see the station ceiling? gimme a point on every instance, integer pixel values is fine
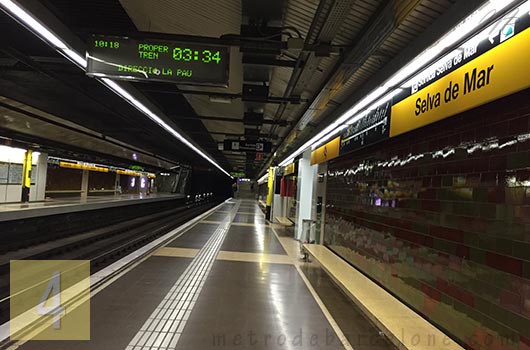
(349, 46)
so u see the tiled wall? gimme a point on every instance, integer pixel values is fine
(440, 217)
(102, 181)
(61, 179)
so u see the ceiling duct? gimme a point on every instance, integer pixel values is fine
(255, 93)
(253, 118)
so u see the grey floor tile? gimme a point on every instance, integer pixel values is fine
(248, 219)
(119, 311)
(256, 306)
(217, 216)
(195, 237)
(252, 240)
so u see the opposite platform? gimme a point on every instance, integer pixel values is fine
(17, 211)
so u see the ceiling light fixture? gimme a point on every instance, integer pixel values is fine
(263, 179)
(219, 99)
(42, 32)
(31, 23)
(151, 115)
(328, 136)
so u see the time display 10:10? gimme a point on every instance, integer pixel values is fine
(187, 54)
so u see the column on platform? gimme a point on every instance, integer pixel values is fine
(319, 201)
(306, 175)
(277, 200)
(84, 184)
(38, 190)
(26, 175)
(270, 194)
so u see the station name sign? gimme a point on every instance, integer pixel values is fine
(500, 70)
(491, 65)
(157, 60)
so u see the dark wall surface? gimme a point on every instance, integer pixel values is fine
(63, 179)
(440, 217)
(101, 181)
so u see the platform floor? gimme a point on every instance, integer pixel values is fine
(14, 211)
(229, 282)
(57, 202)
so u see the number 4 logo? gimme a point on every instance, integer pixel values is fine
(55, 309)
(49, 300)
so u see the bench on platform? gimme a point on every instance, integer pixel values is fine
(284, 221)
(404, 327)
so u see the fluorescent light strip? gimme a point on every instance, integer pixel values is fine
(75, 57)
(489, 32)
(45, 34)
(263, 178)
(459, 32)
(328, 136)
(141, 107)
(31, 22)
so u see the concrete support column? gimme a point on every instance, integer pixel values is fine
(84, 185)
(306, 174)
(270, 194)
(319, 196)
(277, 201)
(177, 188)
(117, 185)
(142, 184)
(42, 172)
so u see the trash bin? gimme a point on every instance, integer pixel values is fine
(308, 229)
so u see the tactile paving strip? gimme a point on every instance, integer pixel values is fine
(164, 326)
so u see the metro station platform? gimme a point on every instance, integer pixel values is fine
(16, 211)
(228, 280)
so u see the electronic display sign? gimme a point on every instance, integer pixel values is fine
(157, 60)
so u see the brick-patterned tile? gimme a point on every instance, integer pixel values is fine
(459, 229)
(447, 233)
(505, 263)
(519, 125)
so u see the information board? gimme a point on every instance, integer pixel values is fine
(4, 173)
(372, 128)
(15, 174)
(157, 60)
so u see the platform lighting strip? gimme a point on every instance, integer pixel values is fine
(53, 40)
(141, 107)
(263, 179)
(382, 94)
